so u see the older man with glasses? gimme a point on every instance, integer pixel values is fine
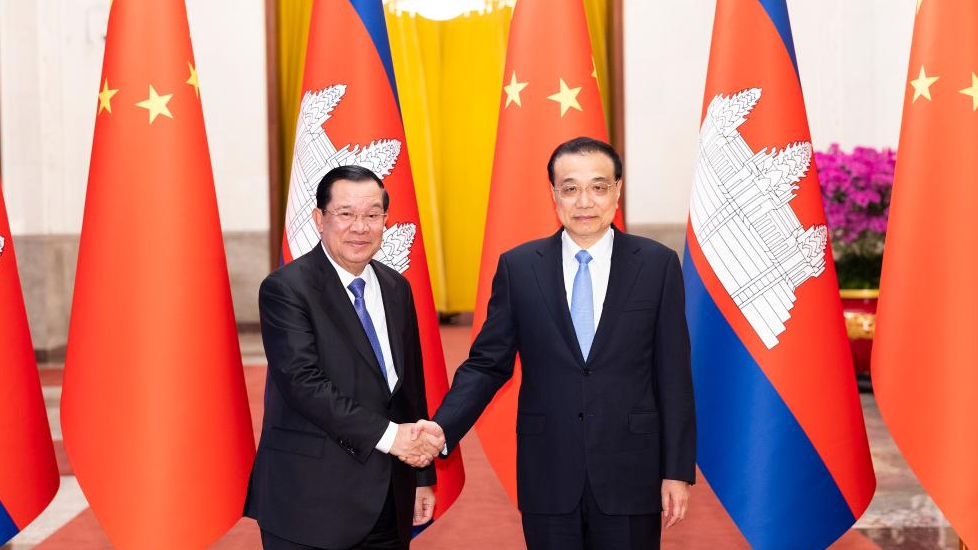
(344, 379)
(605, 427)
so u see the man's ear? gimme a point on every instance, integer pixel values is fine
(317, 217)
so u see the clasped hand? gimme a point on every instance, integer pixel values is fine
(419, 443)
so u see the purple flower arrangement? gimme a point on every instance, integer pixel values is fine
(856, 196)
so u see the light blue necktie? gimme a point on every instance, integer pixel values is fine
(582, 304)
(357, 287)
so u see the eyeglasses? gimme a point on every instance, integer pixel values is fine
(345, 217)
(572, 190)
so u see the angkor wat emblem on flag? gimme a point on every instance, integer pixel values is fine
(314, 155)
(740, 215)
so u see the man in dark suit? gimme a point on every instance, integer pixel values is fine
(344, 376)
(605, 425)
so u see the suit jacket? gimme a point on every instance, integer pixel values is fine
(624, 419)
(317, 479)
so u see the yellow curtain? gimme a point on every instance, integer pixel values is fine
(414, 55)
(457, 67)
(449, 80)
(449, 76)
(599, 13)
(292, 34)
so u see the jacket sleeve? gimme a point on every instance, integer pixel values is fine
(293, 366)
(489, 365)
(671, 361)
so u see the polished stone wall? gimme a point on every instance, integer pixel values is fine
(672, 235)
(47, 272)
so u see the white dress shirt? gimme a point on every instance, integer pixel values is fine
(374, 301)
(599, 266)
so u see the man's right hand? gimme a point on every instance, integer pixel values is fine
(432, 433)
(414, 447)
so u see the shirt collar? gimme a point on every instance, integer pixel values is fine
(346, 277)
(601, 250)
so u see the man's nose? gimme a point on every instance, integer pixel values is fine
(584, 199)
(360, 224)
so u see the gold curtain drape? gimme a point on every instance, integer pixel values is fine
(449, 81)
(449, 76)
(292, 35)
(599, 17)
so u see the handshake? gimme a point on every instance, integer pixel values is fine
(419, 443)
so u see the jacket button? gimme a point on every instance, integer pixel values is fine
(587, 372)
(580, 416)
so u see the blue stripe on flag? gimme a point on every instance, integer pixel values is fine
(7, 526)
(371, 12)
(777, 10)
(750, 447)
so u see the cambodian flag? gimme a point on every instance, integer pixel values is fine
(349, 114)
(781, 438)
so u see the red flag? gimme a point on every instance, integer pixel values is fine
(550, 95)
(349, 115)
(924, 360)
(28, 469)
(154, 410)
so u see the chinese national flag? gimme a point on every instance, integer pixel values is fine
(550, 95)
(154, 411)
(925, 359)
(349, 115)
(28, 470)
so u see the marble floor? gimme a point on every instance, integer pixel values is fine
(900, 517)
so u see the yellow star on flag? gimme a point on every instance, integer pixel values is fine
(193, 80)
(921, 85)
(105, 97)
(156, 104)
(972, 91)
(567, 97)
(513, 90)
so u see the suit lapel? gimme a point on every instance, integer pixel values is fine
(394, 310)
(549, 272)
(337, 302)
(625, 267)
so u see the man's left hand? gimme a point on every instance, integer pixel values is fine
(675, 500)
(424, 505)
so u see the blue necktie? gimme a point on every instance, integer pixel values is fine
(582, 304)
(357, 287)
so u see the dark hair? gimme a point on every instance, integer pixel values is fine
(350, 173)
(581, 145)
